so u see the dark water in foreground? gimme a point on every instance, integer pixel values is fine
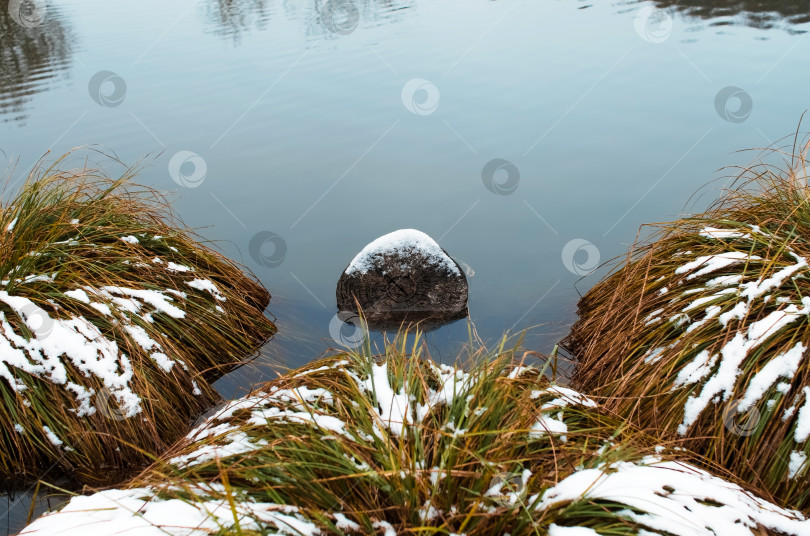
(309, 128)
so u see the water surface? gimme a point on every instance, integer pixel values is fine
(318, 126)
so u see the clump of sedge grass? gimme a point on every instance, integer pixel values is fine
(702, 333)
(113, 321)
(396, 444)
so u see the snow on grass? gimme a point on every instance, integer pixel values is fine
(802, 431)
(697, 369)
(136, 298)
(404, 243)
(711, 312)
(130, 239)
(567, 398)
(79, 295)
(739, 311)
(699, 301)
(392, 409)
(755, 289)
(53, 438)
(653, 317)
(143, 339)
(102, 308)
(550, 424)
(679, 319)
(798, 464)
(655, 354)
(673, 497)
(178, 268)
(783, 365)
(713, 232)
(552, 412)
(724, 281)
(559, 530)
(291, 405)
(236, 442)
(140, 511)
(206, 285)
(713, 263)
(56, 341)
(658, 495)
(515, 491)
(723, 379)
(732, 355)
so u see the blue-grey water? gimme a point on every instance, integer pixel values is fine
(311, 127)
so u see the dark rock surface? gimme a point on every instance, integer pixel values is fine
(401, 277)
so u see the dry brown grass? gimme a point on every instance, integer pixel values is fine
(689, 355)
(357, 443)
(86, 234)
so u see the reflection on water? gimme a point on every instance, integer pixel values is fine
(34, 53)
(232, 18)
(327, 19)
(18, 507)
(330, 19)
(764, 14)
(33, 56)
(392, 322)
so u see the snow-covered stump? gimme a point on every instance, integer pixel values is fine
(702, 335)
(353, 444)
(404, 276)
(113, 321)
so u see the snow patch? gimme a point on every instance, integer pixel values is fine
(130, 239)
(712, 263)
(405, 243)
(675, 498)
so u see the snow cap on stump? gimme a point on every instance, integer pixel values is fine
(403, 276)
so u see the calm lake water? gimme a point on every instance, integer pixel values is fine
(530, 138)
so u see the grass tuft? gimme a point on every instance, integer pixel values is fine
(114, 319)
(702, 332)
(397, 444)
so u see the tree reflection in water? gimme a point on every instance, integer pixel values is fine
(325, 19)
(232, 18)
(31, 59)
(764, 14)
